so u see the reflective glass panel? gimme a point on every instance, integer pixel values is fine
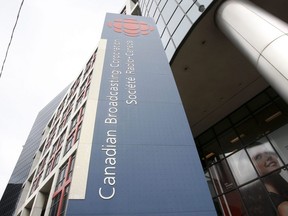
(181, 31)
(221, 177)
(175, 20)
(241, 167)
(186, 4)
(279, 140)
(211, 152)
(277, 187)
(256, 200)
(248, 131)
(194, 13)
(233, 203)
(170, 49)
(210, 184)
(230, 142)
(263, 156)
(270, 118)
(152, 9)
(168, 10)
(160, 25)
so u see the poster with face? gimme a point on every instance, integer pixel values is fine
(279, 140)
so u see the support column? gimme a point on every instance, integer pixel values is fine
(262, 37)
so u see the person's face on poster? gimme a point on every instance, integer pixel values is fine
(266, 162)
(264, 158)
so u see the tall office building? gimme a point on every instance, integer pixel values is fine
(20, 173)
(119, 143)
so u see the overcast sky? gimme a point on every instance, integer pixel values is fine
(52, 42)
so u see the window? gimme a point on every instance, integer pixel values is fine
(55, 205)
(74, 122)
(69, 143)
(61, 176)
(58, 206)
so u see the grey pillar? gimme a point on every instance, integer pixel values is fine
(261, 36)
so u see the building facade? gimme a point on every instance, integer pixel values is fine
(228, 62)
(24, 164)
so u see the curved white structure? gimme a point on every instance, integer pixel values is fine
(261, 36)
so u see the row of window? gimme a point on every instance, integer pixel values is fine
(245, 157)
(174, 18)
(59, 126)
(62, 187)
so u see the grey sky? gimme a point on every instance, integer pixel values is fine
(52, 42)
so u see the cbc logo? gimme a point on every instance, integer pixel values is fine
(130, 27)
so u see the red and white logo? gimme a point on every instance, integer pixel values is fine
(131, 27)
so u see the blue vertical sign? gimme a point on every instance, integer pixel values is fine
(143, 160)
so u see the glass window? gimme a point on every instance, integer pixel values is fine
(210, 184)
(231, 204)
(61, 177)
(230, 142)
(256, 199)
(161, 4)
(152, 9)
(55, 205)
(69, 143)
(165, 37)
(283, 106)
(205, 2)
(168, 10)
(248, 131)
(222, 126)
(156, 15)
(64, 201)
(181, 31)
(241, 167)
(221, 177)
(263, 156)
(194, 13)
(239, 114)
(160, 25)
(175, 20)
(277, 187)
(258, 102)
(211, 152)
(206, 136)
(279, 140)
(270, 118)
(170, 49)
(186, 4)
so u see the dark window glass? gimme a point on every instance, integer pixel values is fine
(256, 200)
(282, 105)
(258, 102)
(270, 118)
(232, 204)
(230, 142)
(239, 114)
(277, 186)
(55, 205)
(210, 184)
(211, 152)
(248, 131)
(222, 126)
(64, 201)
(221, 177)
(206, 137)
